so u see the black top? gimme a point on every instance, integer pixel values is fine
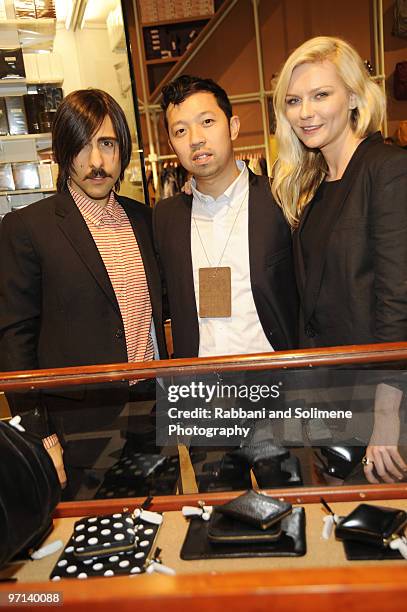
(315, 226)
(355, 289)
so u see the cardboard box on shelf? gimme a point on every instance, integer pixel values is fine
(11, 64)
(4, 205)
(24, 9)
(31, 67)
(45, 174)
(26, 175)
(3, 12)
(6, 178)
(3, 118)
(54, 171)
(45, 9)
(22, 200)
(16, 118)
(35, 104)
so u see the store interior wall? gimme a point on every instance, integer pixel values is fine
(88, 61)
(395, 50)
(230, 58)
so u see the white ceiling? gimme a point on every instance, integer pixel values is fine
(96, 10)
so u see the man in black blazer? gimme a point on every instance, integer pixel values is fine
(225, 250)
(68, 264)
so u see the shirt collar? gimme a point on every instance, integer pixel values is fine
(97, 214)
(231, 195)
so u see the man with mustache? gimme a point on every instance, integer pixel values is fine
(79, 282)
(225, 250)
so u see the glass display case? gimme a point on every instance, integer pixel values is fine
(294, 425)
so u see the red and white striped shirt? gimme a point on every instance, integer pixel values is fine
(114, 237)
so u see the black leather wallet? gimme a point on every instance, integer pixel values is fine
(340, 460)
(359, 551)
(223, 529)
(259, 451)
(374, 525)
(257, 509)
(291, 543)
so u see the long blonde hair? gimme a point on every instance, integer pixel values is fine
(299, 171)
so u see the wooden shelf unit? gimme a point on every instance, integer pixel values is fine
(43, 136)
(159, 71)
(24, 191)
(162, 60)
(152, 24)
(29, 30)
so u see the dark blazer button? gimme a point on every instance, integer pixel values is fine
(310, 331)
(119, 333)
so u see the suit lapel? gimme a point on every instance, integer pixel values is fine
(184, 224)
(316, 261)
(186, 270)
(255, 221)
(76, 231)
(299, 257)
(144, 241)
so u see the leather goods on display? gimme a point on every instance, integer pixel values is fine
(29, 491)
(359, 551)
(339, 460)
(400, 81)
(291, 543)
(112, 563)
(273, 465)
(269, 475)
(402, 138)
(374, 525)
(260, 451)
(257, 509)
(223, 475)
(139, 473)
(400, 19)
(226, 530)
(102, 535)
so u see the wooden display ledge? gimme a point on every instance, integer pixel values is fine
(322, 580)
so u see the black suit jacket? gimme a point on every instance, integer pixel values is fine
(355, 289)
(57, 304)
(271, 268)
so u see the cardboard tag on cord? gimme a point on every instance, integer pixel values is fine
(215, 292)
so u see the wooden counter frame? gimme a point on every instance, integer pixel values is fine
(361, 587)
(389, 352)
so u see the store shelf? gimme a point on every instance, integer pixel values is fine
(151, 24)
(33, 34)
(12, 82)
(210, 25)
(39, 26)
(23, 191)
(31, 82)
(44, 136)
(163, 60)
(45, 82)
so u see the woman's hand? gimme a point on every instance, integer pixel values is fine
(382, 458)
(386, 462)
(55, 451)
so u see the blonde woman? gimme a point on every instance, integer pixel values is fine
(344, 193)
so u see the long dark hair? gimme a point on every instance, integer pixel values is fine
(78, 117)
